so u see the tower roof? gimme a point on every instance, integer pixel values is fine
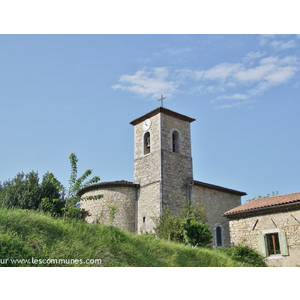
(165, 111)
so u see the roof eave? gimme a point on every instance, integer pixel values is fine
(162, 110)
(261, 209)
(106, 184)
(220, 188)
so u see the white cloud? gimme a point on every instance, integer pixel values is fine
(236, 96)
(251, 56)
(233, 84)
(279, 42)
(151, 83)
(254, 76)
(220, 72)
(282, 45)
(270, 71)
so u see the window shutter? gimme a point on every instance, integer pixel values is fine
(262, 245)
(283, 243)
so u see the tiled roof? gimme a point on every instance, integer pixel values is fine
(162, 110)
(264, 203)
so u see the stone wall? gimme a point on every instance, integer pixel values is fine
(123, 197)
(216, 202)
(147, 173)
(245, 230)
(149, 206)
(176, 167)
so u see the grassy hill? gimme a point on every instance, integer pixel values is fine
(30, 238)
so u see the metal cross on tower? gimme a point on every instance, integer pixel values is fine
(162, 100)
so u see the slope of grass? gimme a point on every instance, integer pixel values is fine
(44, 241)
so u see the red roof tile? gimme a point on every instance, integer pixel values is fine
(264, 203)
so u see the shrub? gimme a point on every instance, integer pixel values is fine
(195, 233)
(53, 206)
(167, 226)
(245, 254)
(188, 230)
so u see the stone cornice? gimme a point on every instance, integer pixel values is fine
(165, 111)
(120, 183)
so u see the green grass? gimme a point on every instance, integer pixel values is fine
(38, 237)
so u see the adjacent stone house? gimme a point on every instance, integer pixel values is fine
(270, 225)
(162, 176)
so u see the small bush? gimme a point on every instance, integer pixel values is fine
(195, 233)
(245, 254)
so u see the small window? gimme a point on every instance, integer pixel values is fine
(273, 244)
(219, 236)
(175, 141)
(144, 219)
(147, 143)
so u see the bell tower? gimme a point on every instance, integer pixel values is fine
(162, 163)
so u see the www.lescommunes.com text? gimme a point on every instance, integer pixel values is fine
(49, 261)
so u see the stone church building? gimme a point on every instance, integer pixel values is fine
(163, 176)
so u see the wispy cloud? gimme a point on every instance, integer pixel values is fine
(151, 83)
(253, 79)
(279, 42)
(227, 84)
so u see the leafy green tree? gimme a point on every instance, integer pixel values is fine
(52, 196)
(189, 227)
(23, 191)
(195, 211)
(71, 208)
(167, 226)
(195, 233)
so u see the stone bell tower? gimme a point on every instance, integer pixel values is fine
(162, 163)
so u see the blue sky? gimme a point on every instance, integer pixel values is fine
(77, 93)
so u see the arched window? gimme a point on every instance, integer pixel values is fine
(219, 236)
(175, 141)
(147, 143)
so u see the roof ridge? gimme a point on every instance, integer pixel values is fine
(266, 202)
(267, 197)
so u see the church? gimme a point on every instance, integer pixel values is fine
(163, 176)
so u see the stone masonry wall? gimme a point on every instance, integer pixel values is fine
(149, 206)
(216, 203)
(176, 167)
(247, 229)
(123, 197)
(147, 173)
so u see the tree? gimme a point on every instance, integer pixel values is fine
(52, 194)
(167, 226)
(194, 210)
(75, 184)
(195, 232)
(188, 227)
(24, 191)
